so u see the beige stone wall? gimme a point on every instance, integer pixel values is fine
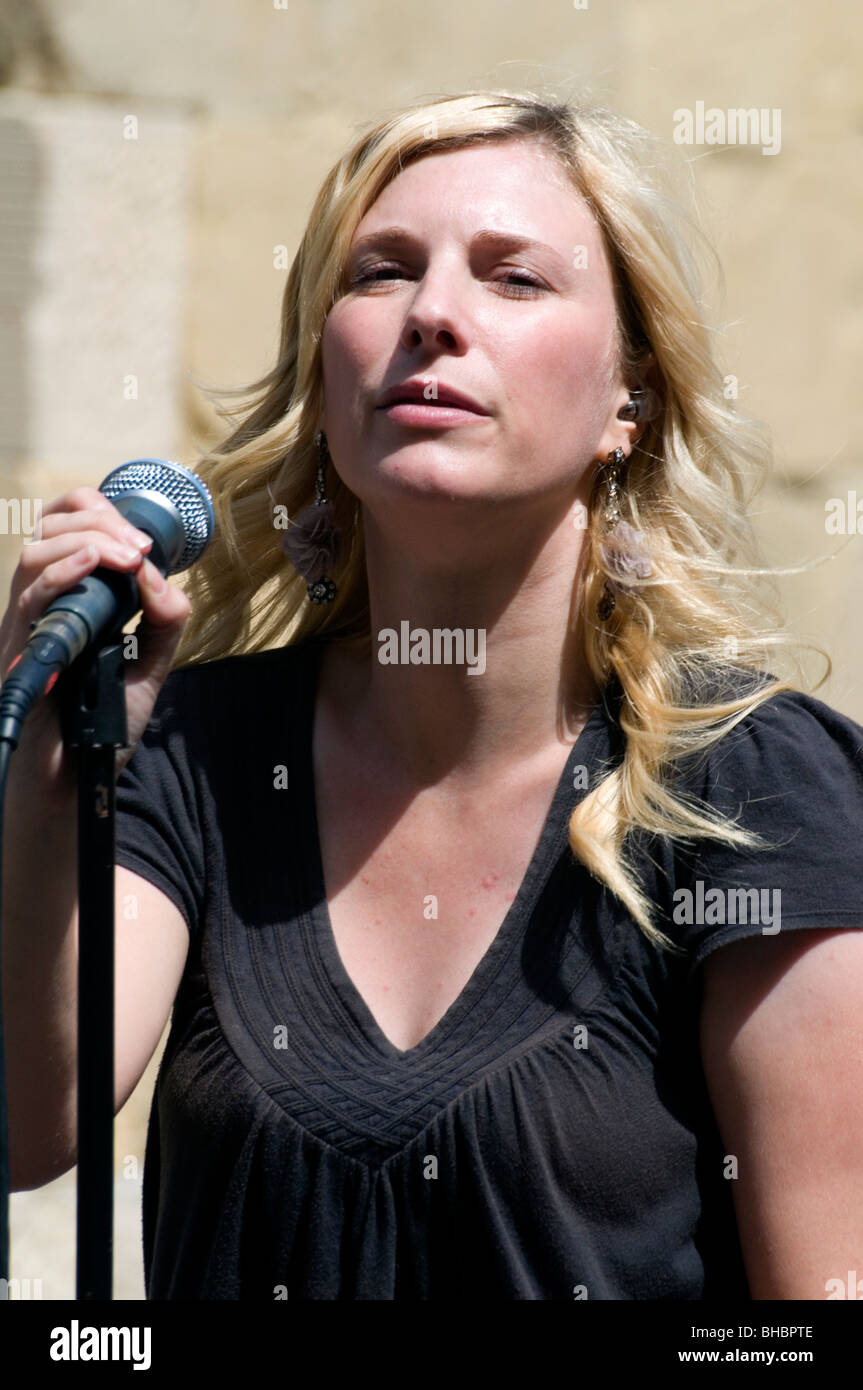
(154, 257)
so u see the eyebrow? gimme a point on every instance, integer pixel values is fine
(488, 238)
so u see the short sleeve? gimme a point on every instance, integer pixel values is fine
(158, 830)
(792, 771)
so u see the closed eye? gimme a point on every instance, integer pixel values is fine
(519, 283)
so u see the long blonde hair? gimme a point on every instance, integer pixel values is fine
(688, 481)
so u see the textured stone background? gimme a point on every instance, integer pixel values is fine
(128, 267)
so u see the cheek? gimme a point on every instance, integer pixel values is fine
(339, 359)
(567, 374)
(348, 340)
(333, 349)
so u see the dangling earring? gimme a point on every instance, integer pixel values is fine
(313, 543)
(623, 547)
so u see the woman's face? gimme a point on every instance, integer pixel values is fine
(527, 330)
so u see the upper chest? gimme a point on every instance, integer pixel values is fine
(417, 892)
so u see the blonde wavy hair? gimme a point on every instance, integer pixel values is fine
(688, 482)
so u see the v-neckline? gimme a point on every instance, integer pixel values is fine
(551, 841)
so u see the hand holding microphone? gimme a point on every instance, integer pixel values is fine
(101, 557)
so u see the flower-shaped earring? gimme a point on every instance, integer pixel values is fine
(313, 543)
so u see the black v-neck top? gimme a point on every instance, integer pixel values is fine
(552, 1136)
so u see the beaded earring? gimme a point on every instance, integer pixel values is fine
(623, 547)
(313, 543)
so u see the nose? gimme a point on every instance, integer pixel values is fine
(436, 317)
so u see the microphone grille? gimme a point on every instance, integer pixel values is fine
(187, 492)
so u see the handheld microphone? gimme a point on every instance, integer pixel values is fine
(166, 501)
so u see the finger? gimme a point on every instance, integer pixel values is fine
(163, 604)
(39, 556)
(32, 601)
(76, 500)
(55, 579)
(107, 519)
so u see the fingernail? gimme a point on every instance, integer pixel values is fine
(138, 538)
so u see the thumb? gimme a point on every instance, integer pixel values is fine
(166, 610)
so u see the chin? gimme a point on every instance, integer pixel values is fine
(433, 480)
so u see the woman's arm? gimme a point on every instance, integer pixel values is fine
(782, 1050)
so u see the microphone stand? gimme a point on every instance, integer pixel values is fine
(93, 720)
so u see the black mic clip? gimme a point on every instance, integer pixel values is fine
(92, 698)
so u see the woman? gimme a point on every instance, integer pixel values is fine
(437, 826)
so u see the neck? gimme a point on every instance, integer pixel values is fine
(505, 612)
